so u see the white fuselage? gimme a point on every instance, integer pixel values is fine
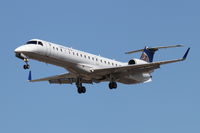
(77, 62)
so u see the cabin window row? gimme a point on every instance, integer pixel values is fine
(81, 55)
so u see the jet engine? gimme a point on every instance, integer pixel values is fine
(136, 61)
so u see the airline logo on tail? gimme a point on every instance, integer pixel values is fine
(144, 57)
(147, 54)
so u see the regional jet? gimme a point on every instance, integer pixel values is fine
(86, 68)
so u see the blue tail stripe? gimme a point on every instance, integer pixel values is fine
(150, 54)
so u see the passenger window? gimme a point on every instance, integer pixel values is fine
(96, 59)
(85, 56)
(88, 57)
(77, 54)
(57, 49)
(61, 50)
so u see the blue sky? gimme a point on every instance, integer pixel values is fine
(108, 27)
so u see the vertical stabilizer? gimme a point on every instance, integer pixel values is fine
(148, 54)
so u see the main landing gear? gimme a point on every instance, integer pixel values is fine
(26, 66)
(112, 85)
(80, 87)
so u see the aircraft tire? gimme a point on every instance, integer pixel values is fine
(26, 66)
(81, 90)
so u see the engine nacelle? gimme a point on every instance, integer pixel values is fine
(136, 61)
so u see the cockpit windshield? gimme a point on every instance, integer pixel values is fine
(35, 42)
(31, 42)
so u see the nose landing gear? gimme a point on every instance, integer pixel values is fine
(26, 66)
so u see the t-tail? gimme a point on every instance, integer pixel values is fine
(148, 53)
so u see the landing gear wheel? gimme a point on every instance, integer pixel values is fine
(112, 85)
(26, 66)
(81, 90)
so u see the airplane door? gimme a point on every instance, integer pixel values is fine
(48, 49)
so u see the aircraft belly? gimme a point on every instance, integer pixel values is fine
(46, 59)
(80, 69)
(128, 81)
(134, 78)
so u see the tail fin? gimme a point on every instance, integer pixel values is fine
(148, 54)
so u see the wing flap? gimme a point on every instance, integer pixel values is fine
(62, 76)
(67, 78)
(141, 67)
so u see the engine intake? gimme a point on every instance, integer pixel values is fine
(131, 62)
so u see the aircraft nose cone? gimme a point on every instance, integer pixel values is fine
(20, 49)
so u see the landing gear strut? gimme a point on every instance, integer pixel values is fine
(112, 85)
(26, 66)
(80, 87)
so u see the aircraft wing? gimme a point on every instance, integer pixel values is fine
(67, 78)
(137, 67)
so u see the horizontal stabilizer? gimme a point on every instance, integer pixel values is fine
(154, 48)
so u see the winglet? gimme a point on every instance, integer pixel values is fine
(29, 76)
(186, 53)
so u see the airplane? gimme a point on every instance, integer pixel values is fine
(86, 68)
